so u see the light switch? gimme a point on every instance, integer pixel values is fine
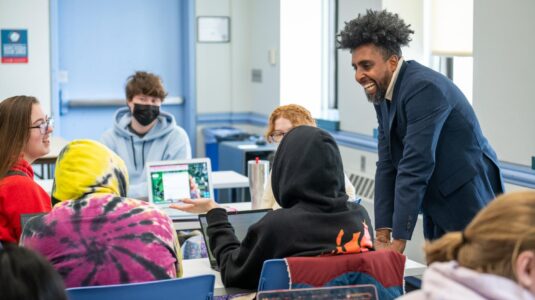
(272, 56)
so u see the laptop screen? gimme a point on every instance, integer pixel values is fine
(171, 181)
(240, 221)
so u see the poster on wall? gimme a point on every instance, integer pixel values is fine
(14, 46)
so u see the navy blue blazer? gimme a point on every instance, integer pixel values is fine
(432, 156)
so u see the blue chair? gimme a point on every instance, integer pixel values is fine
(383, 269)
(190, 288)
(274, 275)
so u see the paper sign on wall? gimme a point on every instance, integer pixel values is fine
(14, 46)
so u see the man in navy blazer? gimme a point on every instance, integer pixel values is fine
(433, 156)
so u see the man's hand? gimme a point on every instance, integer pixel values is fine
(383, 241)
(395, 245)
(381, 245)
(398, 245)
(197, 206)
(382, 238)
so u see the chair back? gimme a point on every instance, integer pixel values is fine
(347, 292)
(383, 269)
(274, 275)
(194, 288)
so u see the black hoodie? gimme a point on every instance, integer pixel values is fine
(315, 219)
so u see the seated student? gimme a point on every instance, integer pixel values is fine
(96, 236)
(494, 258)
(282, 120)
(24, 137)
(315, 219)
(26, 275)
(142, 133)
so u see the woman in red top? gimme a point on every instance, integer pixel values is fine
(24, 137)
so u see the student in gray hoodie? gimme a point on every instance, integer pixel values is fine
(142, 133)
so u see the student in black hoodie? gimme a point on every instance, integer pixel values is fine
(316, 219)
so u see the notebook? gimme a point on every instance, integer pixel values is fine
(353, 292)
(171, 181)
(240, 221)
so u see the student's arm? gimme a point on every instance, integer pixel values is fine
(240, 264)
(350, 189)
(268, 199)
(178, 252)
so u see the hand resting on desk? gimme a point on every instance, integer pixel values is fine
(196, 206)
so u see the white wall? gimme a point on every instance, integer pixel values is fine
(213, 64)
(33, 78)
(412, 12)
(265, 17)
(503, 76)
(224, 69)
(356, 113)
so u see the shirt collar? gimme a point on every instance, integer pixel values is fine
(390, 90)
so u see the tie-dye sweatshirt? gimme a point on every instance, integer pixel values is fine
(101, 237)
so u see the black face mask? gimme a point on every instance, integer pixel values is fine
(145, 114)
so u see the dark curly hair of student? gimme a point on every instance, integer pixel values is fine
(383, 29)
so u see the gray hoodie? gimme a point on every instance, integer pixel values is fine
(165, 141)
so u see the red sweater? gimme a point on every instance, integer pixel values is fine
(19, 195)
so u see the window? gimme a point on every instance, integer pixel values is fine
(451, 41)
(307, 55)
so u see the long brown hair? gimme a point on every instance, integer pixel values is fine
(294, 113)
(15, 118)
(493, 240)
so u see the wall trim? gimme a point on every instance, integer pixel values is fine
(250, 118)
(512, 173)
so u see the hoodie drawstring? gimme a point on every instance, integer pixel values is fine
(143, 153)
(133, 151)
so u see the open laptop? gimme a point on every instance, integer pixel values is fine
(353, 292)
(171, 181)
(240, 221)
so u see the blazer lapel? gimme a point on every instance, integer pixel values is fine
(385, 120)
(394, 104)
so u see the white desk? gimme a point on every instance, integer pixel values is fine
(220, 179)
(229, 180)
(201, 266)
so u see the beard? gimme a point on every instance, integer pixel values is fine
(380, 91)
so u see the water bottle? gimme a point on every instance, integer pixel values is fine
(258, 173)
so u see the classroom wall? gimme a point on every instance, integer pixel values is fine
(224, 69)
(97, 58)
(503, 76)
(32, 78)
(356, 113)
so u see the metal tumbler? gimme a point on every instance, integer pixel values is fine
(258, 173)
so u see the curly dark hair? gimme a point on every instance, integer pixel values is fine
(383, 29)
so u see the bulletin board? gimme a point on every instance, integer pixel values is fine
(213, 29)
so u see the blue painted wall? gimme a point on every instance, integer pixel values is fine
(100, 43)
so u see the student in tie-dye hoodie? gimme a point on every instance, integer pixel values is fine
(96, 236)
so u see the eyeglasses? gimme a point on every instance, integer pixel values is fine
(276, 136)
(43, 126)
